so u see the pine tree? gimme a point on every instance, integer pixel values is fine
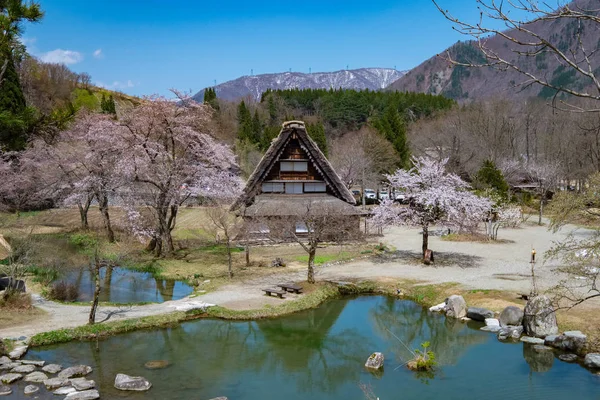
(256, 128)
(244, 122)
(490, 177)
(210, 98)
(392, 126)
(272, 110)
(11, 94)
(112, 107)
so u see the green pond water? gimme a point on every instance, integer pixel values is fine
(320, 354)
(122, 285)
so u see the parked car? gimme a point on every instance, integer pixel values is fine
(401, 198)
(383, 194)
(370, 194)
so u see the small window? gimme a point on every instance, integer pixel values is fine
(293, 188)
(301, 227)
(294, 166)
(272, 187)
(312, 187)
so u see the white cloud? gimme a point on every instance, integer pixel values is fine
(116, 85)
(98, 54)
(27, 41)
(60, 56)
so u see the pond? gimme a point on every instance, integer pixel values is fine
(319, 354)
(122, 285)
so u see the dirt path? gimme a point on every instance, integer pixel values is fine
(502, 266)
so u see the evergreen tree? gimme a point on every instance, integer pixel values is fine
(210, 98)
(11, 94)
(244, 122)
(272, 110)
(256, 128)
(392, 126)
(490, 177)
(317, 133)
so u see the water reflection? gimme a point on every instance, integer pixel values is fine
(121, 285)
(320, 354)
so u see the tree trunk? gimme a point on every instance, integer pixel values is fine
(83, 212)
(541, 210)
(247, 255)
(229, 263)
(311, 265)
(96, 272)
(103, 205)
(164, 231)
(425, 238)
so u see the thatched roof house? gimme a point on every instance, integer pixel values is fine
(293, 173)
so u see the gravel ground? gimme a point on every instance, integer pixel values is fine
(503, 266)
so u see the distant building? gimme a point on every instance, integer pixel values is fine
(294, 179)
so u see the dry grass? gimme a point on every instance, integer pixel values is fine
(16, 309)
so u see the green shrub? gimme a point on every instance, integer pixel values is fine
(424, 359)
(83, 240)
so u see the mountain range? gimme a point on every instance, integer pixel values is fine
(253, 86)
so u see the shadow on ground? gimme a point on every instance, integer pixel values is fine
(442, 259)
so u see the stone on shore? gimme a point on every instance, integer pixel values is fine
(532, 340)
(571, 341)
(82, 383)
(10, 378)
(492, 322)
(510, 332)
(23, 369)
(539, 319)
(55, 383)
(52, 368)
(5, 390)
(592, 360)
(375, 361)
(36, 377)
(126, 382)
(85, 395)
(456, 307)
(438, 308)
(479, 314)
(511, 315)
(31, 389)
(490, 328)
(75, 372)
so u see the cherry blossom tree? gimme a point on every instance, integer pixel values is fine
(436, 196)
(545, 175)
(170, 159)
(87, 157)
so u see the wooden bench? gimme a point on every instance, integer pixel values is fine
(278, 292)
(290, 288)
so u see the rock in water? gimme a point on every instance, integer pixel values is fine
(568, 358)
(55, 383)
(10, 378)
(592, 360)
(5, 360)
(5, 390)
(456, 307)
(23, 369)
(31, 389)
(492, 322)
(36, 377)
(375, 361)
(157, 364)
(75, 372)
(539, 319)
(532, 340)
(219, 398)
(511, 315)
(571, 341)
(479, 314)
(18, 352)
(82, 384)
(126, 382)
(85, 395)
(32, 362)
(510, 332)
(438, 308)
(52, 368)
(65, 390)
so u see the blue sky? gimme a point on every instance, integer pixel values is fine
(148, 46)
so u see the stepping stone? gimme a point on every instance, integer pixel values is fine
(18, 352)
(23, 369)
(85, 395)
(9, 366)
(5, 360)
(490, 328)
(36, 377)
(55, 383)
(568, 358)
(532, 340)
(126, 382)
(52, 368)
(5, 390)
(75, 372)
(31, 389)
(10, 378)
(82, 384)
(32, 362)
(65, 390)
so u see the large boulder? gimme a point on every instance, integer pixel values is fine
(479, 314)
(511, 315)
(539, 319)
(570, 341)
(375, 361)
(592, 360)
(456, 307)
(137, 383)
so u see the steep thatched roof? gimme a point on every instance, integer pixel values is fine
(281, 205)
(254, 184)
